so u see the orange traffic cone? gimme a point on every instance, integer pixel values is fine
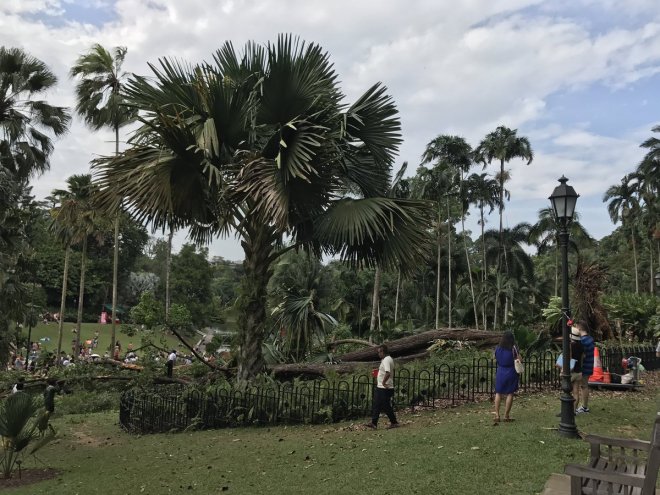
(597, 375)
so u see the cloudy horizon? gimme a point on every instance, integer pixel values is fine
(576, 77)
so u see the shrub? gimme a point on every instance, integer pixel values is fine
(22, 423)
(83, 401)
(637, 312)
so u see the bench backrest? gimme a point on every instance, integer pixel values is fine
(653, 465)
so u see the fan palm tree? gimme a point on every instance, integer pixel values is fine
(503, 144)
(623, 206)
(27, 122)
(262, 145)
(100, 102)
(74, 220)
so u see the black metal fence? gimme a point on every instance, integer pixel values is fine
(175, 408)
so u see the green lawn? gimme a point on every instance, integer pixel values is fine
(441, 452)
(87, 332)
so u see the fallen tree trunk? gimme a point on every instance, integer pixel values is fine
(288, 371)
(415, 344)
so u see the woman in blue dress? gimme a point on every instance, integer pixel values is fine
(506, 377)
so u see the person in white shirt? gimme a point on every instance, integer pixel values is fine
(384, 391)
(171, 359)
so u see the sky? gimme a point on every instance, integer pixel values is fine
(578, 78)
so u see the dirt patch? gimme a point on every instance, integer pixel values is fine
(84, 438)
(28, 477)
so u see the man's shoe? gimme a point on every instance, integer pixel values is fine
(582, 410)
(393, 425)
(370, 425)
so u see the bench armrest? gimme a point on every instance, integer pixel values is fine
(636, 480)
(626, 443)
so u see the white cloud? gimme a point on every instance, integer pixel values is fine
(460, 67)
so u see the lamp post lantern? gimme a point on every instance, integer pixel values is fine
(563, 201)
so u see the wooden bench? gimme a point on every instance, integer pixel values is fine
(618, 466)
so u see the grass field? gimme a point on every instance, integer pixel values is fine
(440, 452)
(87, 332)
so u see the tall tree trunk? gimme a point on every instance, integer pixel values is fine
(115, 264)
(168, 270)
(374, 304)
(437, 276)
(469, 268)
(484, 264)
(81, 296)
(501, 205)
(65, 277)
(652, 271)
(632, 235)
(396, 300)
(448, 264)
(115, 278)
(257, 244)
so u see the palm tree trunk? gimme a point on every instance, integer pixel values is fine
(257, 244)
(374, 304)
(484, 274)
(469, 268)
(115, 264)
(168, 270)
(396, 300)
(65, 276)
(501, 246)
(448, 265)
(81, 296)
(115, 277)
(632, 235)
(652, 271)
(437, 283)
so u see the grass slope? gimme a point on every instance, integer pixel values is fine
(441, 452)
(86, 333)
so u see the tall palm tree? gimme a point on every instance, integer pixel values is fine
(520, 266)
(434, 184)
(74, 220)
(483, 191)
(648, 175)
(454, 154)
(263, 145)
(26, 121)
(393, 191)
(623, 206)
(503, 144)
(100, 102)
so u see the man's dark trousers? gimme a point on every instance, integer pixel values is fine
(383, 403)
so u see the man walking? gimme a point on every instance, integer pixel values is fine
(171, 359)
(384, 390)
(588, 345)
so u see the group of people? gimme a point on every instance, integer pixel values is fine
(581, 359)
(506, 377)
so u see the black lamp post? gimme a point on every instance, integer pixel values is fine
(563, 201)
